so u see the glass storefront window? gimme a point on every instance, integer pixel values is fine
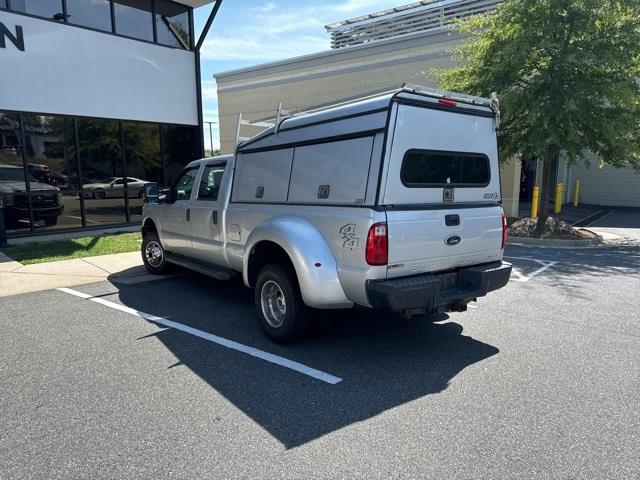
(143, 161)
(133, 18)
(102, 172)
(179, 150)
(172, 24)
(13, 188)
(51, 9)
(50, 155)
(152, 153)
(95, 13)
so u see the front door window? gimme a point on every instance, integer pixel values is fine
(184, 185)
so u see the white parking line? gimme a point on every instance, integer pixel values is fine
(525, 278)
(254, 352)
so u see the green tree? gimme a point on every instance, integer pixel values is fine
(566, 73)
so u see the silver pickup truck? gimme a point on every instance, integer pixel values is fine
(392, 202)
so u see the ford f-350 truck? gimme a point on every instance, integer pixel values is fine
(391, 202)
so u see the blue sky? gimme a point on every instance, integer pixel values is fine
(251, 32)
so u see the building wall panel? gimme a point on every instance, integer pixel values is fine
(75, 71)
(608, 186)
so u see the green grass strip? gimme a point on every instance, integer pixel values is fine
(30, 253)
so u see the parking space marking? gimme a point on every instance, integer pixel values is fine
(254, 352)
(525, 278)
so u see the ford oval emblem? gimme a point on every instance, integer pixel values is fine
(452, 240)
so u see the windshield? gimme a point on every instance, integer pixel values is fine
(13, 175)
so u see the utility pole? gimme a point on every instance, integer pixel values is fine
(211, 135)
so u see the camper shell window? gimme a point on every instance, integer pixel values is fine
(429, 168)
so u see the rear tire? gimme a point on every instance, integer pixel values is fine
(154, 255)
(281, 312)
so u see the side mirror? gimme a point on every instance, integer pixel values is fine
(151, 193)
(166, 195)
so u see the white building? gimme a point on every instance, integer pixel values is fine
(93, 92)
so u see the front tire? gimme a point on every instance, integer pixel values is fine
(281, 312)
(50, 221)
(154, 255)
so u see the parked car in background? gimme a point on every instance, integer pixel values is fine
(113, 187)
(46, 200)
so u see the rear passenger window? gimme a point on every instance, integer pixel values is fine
(426, 168)
(210, 183)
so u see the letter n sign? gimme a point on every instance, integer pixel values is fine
(17, 39)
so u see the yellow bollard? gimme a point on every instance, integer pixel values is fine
(576, 193)
(558, 202)
(534, 202)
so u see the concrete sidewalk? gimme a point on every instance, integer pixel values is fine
(16, 278)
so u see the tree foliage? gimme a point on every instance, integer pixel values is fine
(566, 73)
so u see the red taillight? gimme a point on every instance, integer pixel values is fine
(448, 103)
(504, 229)
(377, 245)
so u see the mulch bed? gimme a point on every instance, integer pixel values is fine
(553, 229)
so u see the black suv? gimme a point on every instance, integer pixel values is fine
(45, 199)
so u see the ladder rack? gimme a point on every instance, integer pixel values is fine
(282, 114)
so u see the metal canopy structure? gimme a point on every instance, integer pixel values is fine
(194, 3)
(425, 15)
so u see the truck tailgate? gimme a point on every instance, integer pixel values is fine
(423, 240)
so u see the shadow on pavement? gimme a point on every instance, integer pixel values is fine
(384, 361)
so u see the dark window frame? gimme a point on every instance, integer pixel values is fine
(444, 153)
(114, 26)
(189, 45)
(112, 31)
(87, 27)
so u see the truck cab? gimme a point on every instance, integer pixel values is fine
(391, 202)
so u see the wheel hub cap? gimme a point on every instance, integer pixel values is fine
(153, 253)
(274, 305)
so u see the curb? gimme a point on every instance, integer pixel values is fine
(554, 243)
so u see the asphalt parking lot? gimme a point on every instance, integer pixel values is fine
(538, 380)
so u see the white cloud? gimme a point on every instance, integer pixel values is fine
(209, 91)
(274, 31)
(253, 49)
(267, 7)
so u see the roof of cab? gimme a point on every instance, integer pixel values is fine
(199, 161)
